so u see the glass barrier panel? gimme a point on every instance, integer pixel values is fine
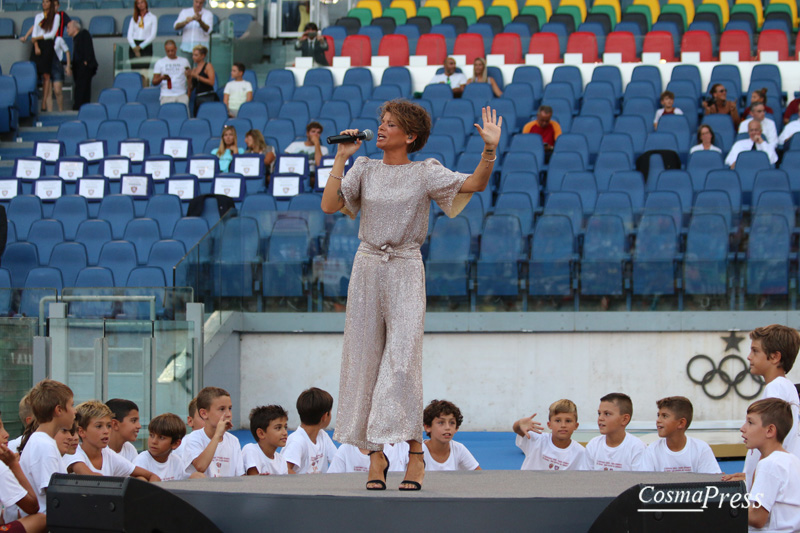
(76, 357)
(128, 303)
(16, 366)
(174, 369)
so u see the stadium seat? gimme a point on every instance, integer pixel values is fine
(120, 257)
(585, 43)
(623, 43)
(360, 77)
(102, 26)
(150, 98)
(737, 41)
(510, 46)
(546, 44)
(768, 253)
(166, 254)
(448, 263)
(433, 46)
(282, 79)
(9, 114)
(359, 49)
(24, 73)
(551, 267)
(113, 99)
(500, 254)
(142, 232)
(112, 132)
(396, 48)
(399, 76)
(19, 258)
(174, 114)
(199, 131)
(130, 82)
(700, 164)
(660, 42)
(774, 40)
(117, 209)
(706, 264)
(603, 264)
(45, 234)
(654, 256)
(698, 41)
(154, 131)
(584, 185)
(631, 183)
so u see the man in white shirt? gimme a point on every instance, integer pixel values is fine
(456, 80)
(196, 23)
(788, 131)
(171, 73)
(769, 130)
(755, 142)
(237, 91)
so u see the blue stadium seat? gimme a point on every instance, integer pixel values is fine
(322, 78)
(256, 113)
(721, 73)
(462, 109)
(452, 127)
(360, 77)
(551, 268)
(117, 209)
(284, 80)
(665, 203)
(641, 89)
(724, 132)
(679, 182)
(113, 99)
(350, 94)
(92, 115)
(526, 182)
(39, 278)
(654, 258)
(715, 202)
(448, 264)
(605, 255)
(102, 26)
(560, 91)
(560, 164)
(610, 74)
(297, 112)
(528, 142)
(130, 82)
(286, 267)
(94, 234)
(636, 127)
(748, 164)
(518, 204)
(148, 278)
(241, 22)
(768, 256)
(776, 203)
(45, 234)
(166, 254)
(532, 75)
(24, 210)
(166, 25)
(375, 33)
(174, 114)
(120, 257)
(198, 130)
(688, 73)
(700, 164)
(641, 107)
(71, 211)
(165, 209)
(71, 133)
(282, 130)
(150, 97)
(112, 132)
(679, 126)
(9, 114)
(573, 142)
(501, 252)
(312, 96)
(591, 127)
(19, 258)
(567, 204)
(523, 97)
(337, 111)
(70, 258)
(215, 113)
(24, 73)
(607, 164)
(770, 180)
(154, 131)
(93, 277)
(399, 76)
(602, 90)
(584, 185)
(617, 142)
(190, 230)
(272, 97)
(132, 114)
(142, 232)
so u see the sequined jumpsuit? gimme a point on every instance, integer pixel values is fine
(380, 389)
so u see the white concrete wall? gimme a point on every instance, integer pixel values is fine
(497, 378)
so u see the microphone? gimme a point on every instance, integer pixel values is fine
(365, 135)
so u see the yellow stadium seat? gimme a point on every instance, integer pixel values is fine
(689, 6)
(726, 11)
(512, 6)
(406, 5)
(477, 5)
(655, 7)
(759, 9)
(792, 5)
(443, 5)
(612, 3)
(548, 8)
(373, 5)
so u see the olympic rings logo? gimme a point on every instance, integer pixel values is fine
(718, 370)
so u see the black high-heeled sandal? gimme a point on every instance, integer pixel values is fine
(381, 484)
(416, 485)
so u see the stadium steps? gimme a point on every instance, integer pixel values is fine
(11, 150)
(56, 118)
(30, 134)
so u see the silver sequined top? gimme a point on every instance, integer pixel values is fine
(394, 200)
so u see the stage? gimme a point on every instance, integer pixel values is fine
(490, 501)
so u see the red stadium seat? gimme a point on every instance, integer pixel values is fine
(774, 41)
(359, 49)
(736, 41)
(510, 45)
(434, 46)
(396, 47)
(583, 42)
(546, 44)
(331, 49)
(470, 45)
(622, 42)
(661, 42)
(698, 41)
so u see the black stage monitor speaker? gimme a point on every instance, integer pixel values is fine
(676, 507)
(116, 504)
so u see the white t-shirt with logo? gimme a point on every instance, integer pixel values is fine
(39, 461)
(227, 461)
(174, 469)
(237, 94)
(254, 456)
(625, 457)
(349, 458)
(310, 458)
(10, 492)
(113, 463)
(542, 454)
(176, 70)
(460, 459)
(777, 489)
(696, 456)
(783, 389)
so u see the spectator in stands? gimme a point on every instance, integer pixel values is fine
(59, 70)
(755, 142)
(546, 127)
(312, 44)
(257, 145)
(196, 23)
(759, 95)
(788, 131)
(718, 104)
(311, 146)
(705, 140)
(44, 29)
(61, 27)
(141, 34)
(202, 78)
(237, 90)
(84, 64)
(667, 107)
(770, 131)
(227, 147)
(792, 109)
(456, 80)
(480, 74)
(175, 71)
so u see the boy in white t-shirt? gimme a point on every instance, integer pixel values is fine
(194, 420)
(166, 431)
(269, 426)
(674, 451)
(93, 457)
(237, 91)
(773, 350)
(68, 441)
(16, 492)
(551, 451)
(775, 495)
(25, 416)
(441, 420)
(309, 450)
(125, 428)
(52, 406)
(614, 448)
(214, 451)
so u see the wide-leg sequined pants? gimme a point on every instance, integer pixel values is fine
(380, 389)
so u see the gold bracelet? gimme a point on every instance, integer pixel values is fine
(489, 160)
(335, 177)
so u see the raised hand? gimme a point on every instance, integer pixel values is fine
(491, 130)
(529, 424)
(348, 149)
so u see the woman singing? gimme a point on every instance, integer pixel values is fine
(380, 391)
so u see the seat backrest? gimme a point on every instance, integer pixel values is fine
(546, 44)
(396, 47)
(120, 257)
(450, 240)
(359, 49)
(604, 238)
(142, 232)
(707, 238)
(117, 209)
(70, 258)
(502, 238)
(656, 239)
(623, 43)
